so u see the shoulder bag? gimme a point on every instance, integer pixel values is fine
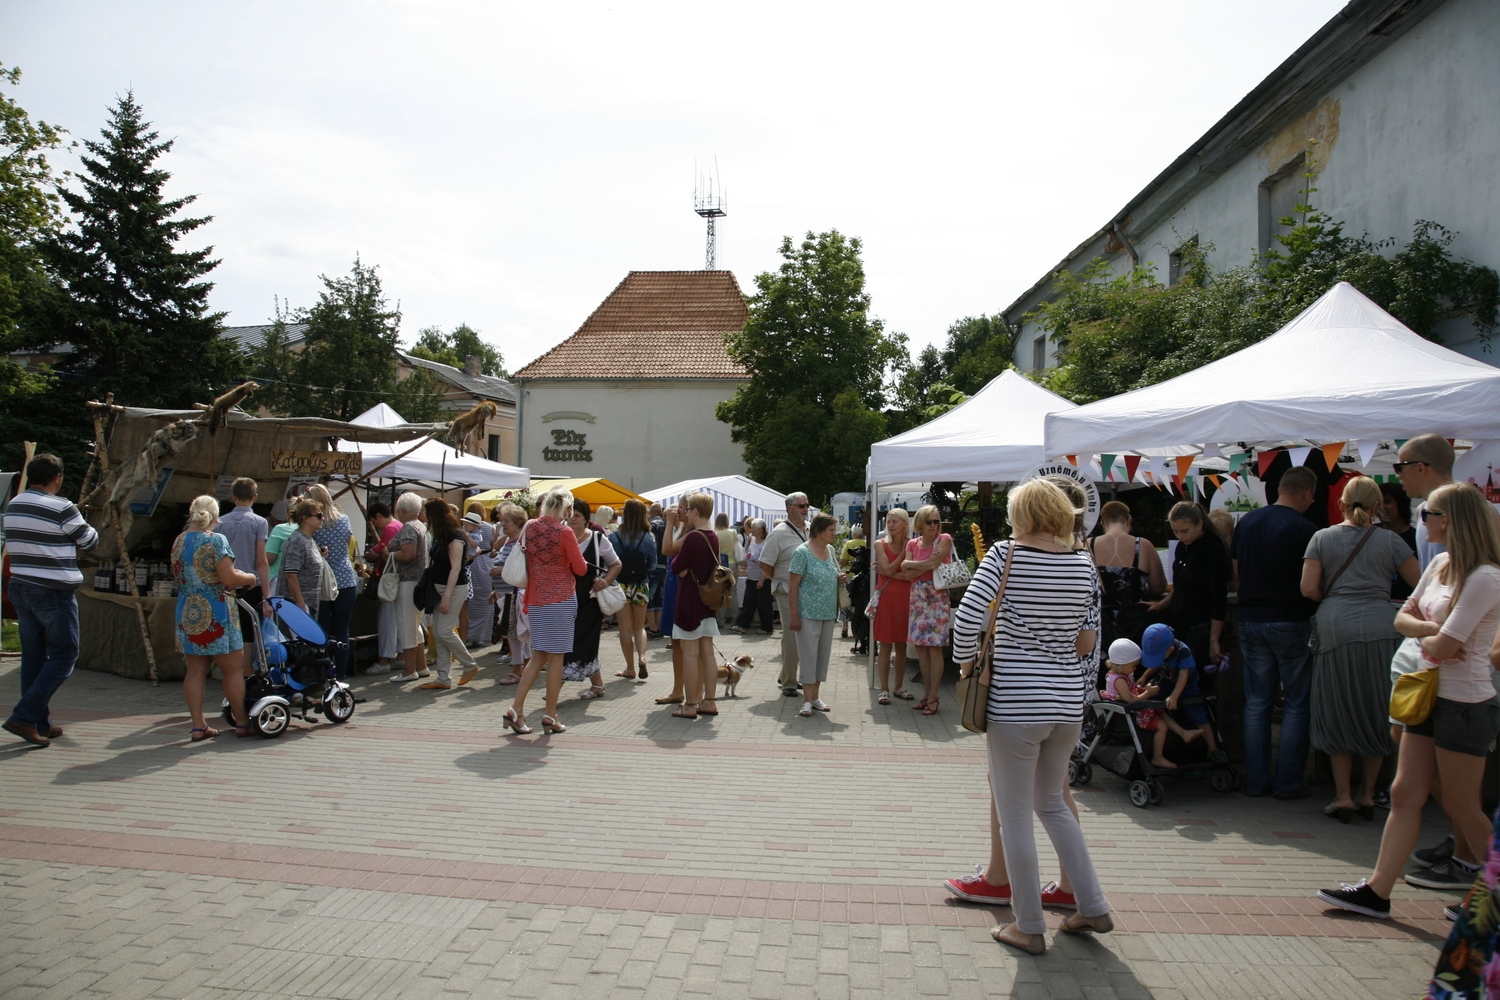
(951, 574)
(390, 580)
(974, 686)
(612, 598)
(1312, 635)
(328, 584)
(514, 572)
(717, 593)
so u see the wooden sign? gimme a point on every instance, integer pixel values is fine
(315, 463)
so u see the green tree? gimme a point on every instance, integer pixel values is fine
(979, 349)
(457, 347)
(814, 354)
(29, 211)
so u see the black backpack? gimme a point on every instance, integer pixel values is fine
(632, 560)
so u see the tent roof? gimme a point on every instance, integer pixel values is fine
(379, 415)
(435, 463)
(737, 496)
(996, 436)
(1344, 369)
(594, 492)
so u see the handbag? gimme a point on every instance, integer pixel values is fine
(419, 592)
(974, 686)
(611, 599)
(390, 581)
(874, 604)
(328, 584)
(951, 574)
(514, 572)
(1413, 695)
(1312, 635)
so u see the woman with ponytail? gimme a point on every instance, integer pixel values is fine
(208, 623)
(1348, 569)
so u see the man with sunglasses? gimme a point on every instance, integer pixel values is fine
(1425, 463)
(776, 565)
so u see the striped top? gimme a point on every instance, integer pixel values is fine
(1037, 675)
(44, 533)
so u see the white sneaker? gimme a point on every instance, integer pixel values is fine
(806, 709)
(378, 668)
(821, 705)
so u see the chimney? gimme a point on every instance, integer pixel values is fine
(471, 366)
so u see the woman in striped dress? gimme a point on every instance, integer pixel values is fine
(551, 604)
(1037, 696)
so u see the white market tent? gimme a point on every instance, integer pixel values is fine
(431, 462)
(737, 496)
(996, 436)
(1343, 370)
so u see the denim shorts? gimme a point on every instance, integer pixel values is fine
(1462, 727)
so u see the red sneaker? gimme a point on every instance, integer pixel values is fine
(1052, 895)
(975, 889)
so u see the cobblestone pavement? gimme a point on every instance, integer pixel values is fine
(417, 852)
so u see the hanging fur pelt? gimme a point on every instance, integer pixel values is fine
(467, 430)
(141, 470)
(217, 414)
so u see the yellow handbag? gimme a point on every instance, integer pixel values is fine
(1413, 696)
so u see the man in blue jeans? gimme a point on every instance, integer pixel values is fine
(1275, 624)
(44, 533)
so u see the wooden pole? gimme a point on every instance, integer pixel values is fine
(101, 451)
(395, 458)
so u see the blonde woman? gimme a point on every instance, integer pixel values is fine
(930, 612)
(1348, 568)
(1037, 697)
(893, 611)
(333, 537)
(208, 623)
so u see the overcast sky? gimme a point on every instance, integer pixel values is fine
(506, 164)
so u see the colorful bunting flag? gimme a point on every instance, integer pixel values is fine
(1072, 460)
(1237, 460)
(1332, 453)
(1132, 462)
(1215, 480)
(1264, 459)
(1366, 451)
(1298, 456)
(1184, 463)
(1105, 463)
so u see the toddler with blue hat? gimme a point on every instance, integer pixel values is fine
(1175, 671)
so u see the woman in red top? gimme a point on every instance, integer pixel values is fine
(551, 604)
(892, 610)
(694, 624)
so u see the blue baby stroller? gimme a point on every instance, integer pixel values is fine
(294, 672)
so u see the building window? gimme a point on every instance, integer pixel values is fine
(492, 448)
(1279, 196)
(1175, 263)
(1039, 352)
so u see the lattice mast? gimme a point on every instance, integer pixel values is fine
(710, 204)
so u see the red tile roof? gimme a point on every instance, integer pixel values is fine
(654, 325)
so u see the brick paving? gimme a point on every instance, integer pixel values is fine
(417, 852)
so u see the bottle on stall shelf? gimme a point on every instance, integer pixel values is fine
(122, 578)
(104, 577)
(142, 576)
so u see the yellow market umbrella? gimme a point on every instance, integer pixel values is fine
(594, 492)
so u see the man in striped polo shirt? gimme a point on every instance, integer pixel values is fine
(44, 533)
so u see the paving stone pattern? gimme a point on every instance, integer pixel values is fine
(418, 852)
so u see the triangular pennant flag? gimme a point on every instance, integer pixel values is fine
(1264, 460)
(1215, 480)
(1072, 460)
(1184, 463)
(1332, 453)
(1106, 462)
(1299, 456)
(1366, 451)
(1212, 451)
(1237, 460)
(1132, 462)
(1401, 443)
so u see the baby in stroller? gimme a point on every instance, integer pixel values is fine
(1120, 685)
(1170, 663)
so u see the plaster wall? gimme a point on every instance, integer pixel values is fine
(1410, 135)
(643, 434)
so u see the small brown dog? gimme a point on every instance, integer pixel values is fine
(731, 672)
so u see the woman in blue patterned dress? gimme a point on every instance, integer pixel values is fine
(333, 538)
(208, 624)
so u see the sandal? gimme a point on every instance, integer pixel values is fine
(904, 694)
(669, 701)
(641, 670)
(629, 675)
(591, 693)
(683, 712)
(514, 722)
(885, 698)
(243, 731)
(511, 678)
(1034, 943)
(919, 706)
(931, 707)
(707, 711)
(1077, 923)
(206, 733)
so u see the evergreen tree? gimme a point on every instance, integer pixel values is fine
(457, 348)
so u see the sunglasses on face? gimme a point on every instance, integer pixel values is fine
(1429, 512)
(1398, 466)
(799, 506)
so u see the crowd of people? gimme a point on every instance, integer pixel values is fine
(1327, 620)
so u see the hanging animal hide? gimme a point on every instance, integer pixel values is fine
(217, 414)
(141, 470)
(467, 430)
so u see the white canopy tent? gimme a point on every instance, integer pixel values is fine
(737, 496)
(996, 436)
(1343, 370)
(431, 462)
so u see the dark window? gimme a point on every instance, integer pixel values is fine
(492, 451)
(1279, 196)
(1175, 263)
(1039, 352)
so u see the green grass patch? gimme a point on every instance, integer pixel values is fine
(10, 637)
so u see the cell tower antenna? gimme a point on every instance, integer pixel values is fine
(710, 204)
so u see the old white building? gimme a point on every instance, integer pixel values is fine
(1402, 98)
(630, 396)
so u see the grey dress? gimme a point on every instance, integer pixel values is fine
(1351, 689)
